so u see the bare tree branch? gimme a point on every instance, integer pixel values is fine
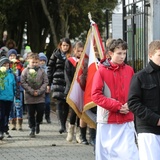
(53, 32)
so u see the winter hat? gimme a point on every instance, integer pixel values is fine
(3, 51)
(12, 51)
(3, 60)
(26, 51)
(42, 56)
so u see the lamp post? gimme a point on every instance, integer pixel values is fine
(107, 23)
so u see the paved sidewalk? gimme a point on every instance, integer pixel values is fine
(21, 147)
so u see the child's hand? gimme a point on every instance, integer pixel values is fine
(124, 109)
(35, 93)
(17, 102)
(48, 90)
(158, 124)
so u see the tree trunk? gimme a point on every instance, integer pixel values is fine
(53, 32)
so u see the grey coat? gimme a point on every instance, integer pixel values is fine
(39, 83)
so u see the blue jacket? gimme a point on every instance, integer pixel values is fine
(10, 87)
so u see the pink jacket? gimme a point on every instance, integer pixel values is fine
(110, 91)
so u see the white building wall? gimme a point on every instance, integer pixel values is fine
(154, 20)
(117, 27)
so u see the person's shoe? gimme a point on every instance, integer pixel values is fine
(83, 135)
(8, 135)
(37, 129)
(48, 120)
(61, 130)
(12, 124)
(78, 135)
(1, 136)
(92, 142)
(92, 138)
(19, 124)
(70, 133)
(85, 142)
(32, 134)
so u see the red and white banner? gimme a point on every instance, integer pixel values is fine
(79, 96)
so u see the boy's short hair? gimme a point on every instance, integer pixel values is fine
(108, 41)
(153, 46)
(33, 56)
(117, 43)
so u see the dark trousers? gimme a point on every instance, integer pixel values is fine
(62, 112)
(35, 114)
(47, 105)
(74, 118)
(5, 108)
(62, 106)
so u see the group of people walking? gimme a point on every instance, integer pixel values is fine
(123, 98)
(61, 68)
(34, 79)
(23, 83)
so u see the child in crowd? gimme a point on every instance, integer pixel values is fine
(70, 67)
(4, 39)
(27, 52)
(144, 102)
(43, 65)
(3, 51)
(11, 44)
(115, 138)
(34, 81)
(16, 114)
(25, 63)
(7, 94)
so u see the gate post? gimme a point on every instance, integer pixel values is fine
(154, 20)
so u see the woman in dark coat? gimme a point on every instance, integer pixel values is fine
(56, 78)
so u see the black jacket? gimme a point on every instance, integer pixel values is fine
(69, 74)
(55, 73)
(144, 99)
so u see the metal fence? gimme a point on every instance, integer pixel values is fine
(135, 29)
